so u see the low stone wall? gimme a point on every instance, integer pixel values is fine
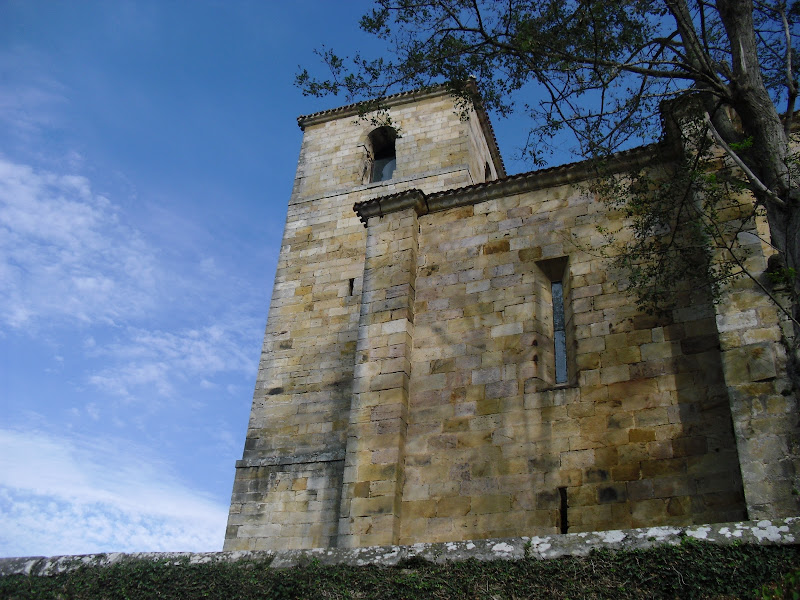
(767, 532)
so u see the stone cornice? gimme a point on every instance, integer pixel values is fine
(383, 205)
(350, 110)
(516, 184)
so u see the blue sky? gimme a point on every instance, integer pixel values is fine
(147, 151)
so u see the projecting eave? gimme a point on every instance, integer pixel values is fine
(350, 110)
(516, 184)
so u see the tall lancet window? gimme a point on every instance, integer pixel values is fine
(559, 332)
(554, 323)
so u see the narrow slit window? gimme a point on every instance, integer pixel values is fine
(559, 332)
(554, 323)
(564, 525)
(350, 286)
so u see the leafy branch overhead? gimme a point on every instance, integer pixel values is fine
(600, 70)
(691, 226)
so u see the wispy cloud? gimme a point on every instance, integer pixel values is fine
(68, 258)
(163, 359)
(34, 99)
(142, 326)
(65, 495)
(64, 255)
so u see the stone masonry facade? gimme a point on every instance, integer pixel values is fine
(408, 389)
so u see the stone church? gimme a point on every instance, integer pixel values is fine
(446, 358)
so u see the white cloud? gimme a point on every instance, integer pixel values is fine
(124, 317)
(163, 360)
(64, 255)
(67, 258)
(74, 496)
(93, 411)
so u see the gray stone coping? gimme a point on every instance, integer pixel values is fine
(376, 187)
(779, 532)
(354, 109)
(296, 459)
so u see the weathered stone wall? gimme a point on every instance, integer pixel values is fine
(479, 152)
(304, 383)
(374, 471)
(753, 332)
(301, 414)
(642, 435)
(433, 140)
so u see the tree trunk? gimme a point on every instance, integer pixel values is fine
(769, 155)
(761, 122)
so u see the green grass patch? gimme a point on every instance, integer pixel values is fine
(691, 570)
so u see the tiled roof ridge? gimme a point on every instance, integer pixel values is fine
(494, 148)
(353, 106)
